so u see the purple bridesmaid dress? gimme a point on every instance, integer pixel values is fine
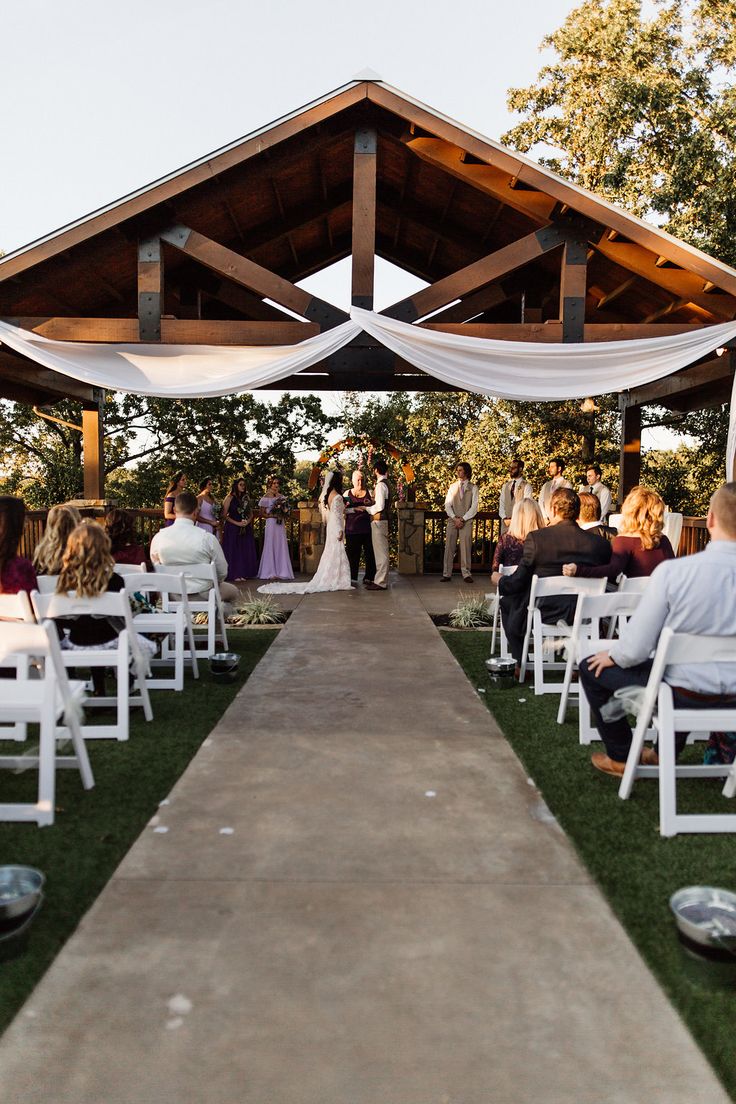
(275, 560)
(239, 546)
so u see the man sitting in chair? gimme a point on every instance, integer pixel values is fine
(693, 594)
(545, 552)
(183, 543)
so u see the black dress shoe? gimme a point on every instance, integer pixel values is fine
(445, 579)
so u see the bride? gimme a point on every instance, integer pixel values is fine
(333, 572)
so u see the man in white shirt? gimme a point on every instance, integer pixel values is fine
(601, 492)
(380, 513)
(691, 594)
(183, 543)
(555, 468)
(513, 490)
(461, 506)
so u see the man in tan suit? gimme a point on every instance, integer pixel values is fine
(461, 506)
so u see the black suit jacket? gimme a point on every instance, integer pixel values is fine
(545, 551)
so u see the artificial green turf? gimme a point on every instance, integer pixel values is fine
(94, 829)
(619, 841)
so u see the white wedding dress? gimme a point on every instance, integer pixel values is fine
(333, 572)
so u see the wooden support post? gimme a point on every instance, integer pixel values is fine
(92, 448)
(630, 465)
(572, 290)
(731, 355)
(150, 289)
(364, 217)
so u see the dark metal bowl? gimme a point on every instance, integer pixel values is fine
(706, 916)
(224, 666)
(20, 889)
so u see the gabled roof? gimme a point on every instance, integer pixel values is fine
(282, 195)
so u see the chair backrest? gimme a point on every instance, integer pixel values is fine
(560, 584)
(42, 641)
(633, 586)
(507, 569)
(129, 569)
(16, 607)
(47, 583)
(206, 571)
(110, 604)
(154, 582)
(592, 608)
(690, 648)
(673, 529)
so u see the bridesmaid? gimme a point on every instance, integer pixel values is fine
(238, 542)
(175, 487)
(207, 519)
(275, 560)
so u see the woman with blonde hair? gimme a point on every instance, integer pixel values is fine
(640, 545)
(50, 549)
(525, 517)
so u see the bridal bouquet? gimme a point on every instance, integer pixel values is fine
(245, 512)
(280, 510)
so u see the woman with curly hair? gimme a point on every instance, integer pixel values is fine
(120, 528)
(50, 549)
(640, 545)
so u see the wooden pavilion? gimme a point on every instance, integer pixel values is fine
(213, 254)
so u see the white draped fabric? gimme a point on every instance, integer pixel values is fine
(525, 371)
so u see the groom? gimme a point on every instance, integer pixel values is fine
(380, 514)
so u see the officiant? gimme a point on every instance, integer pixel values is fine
(358, 537)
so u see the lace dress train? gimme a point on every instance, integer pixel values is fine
(333, 572)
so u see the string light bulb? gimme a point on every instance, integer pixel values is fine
(588, 406)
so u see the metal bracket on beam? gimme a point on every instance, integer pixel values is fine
(366, 140)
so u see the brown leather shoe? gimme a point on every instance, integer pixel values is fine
(374, 586)
(445, 579)
(517, 674)
(649, 758)
(601, 762)
(468, 579)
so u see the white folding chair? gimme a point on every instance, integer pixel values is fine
(47, 583)
(658, 709)
(126, 653)
(589, 612)
(52, 702)
(175, 623)
(553, 586)
(494, 600)
(130, 569)
(210, 603)
(634, 585)
(16, 607)
(673, 529)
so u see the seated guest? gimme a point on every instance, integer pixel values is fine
(545, 551)
(590, 516)
(183, 543)
(50, 549)
(693, 594)
(639, 546)
(16, 572)
(525, 518)
(120, 528)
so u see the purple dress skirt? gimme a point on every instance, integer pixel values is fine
(239, 546)
(170, 499)
(275, 560)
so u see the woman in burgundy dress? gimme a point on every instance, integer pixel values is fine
(640, 545)
(16, 572)
(124, 544)
(238, 542)
(176, 486)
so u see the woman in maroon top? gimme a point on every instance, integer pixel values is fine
(640, 545)
(16, 572)
(525, 517)
(119, 525)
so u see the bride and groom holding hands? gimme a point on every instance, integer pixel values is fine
(358, 523)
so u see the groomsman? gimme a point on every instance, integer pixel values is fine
(461, 506)
(601, 492)
(556, 480)
(513, 490)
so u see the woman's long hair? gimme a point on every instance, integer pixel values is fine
(50, 549)
(642, 516)
(87, 564)
(525, 518)
(235, 493)
(174, 482)
(335, 485)
(120, 528)
(12, 516)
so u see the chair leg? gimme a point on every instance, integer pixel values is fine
(123, 693)
(667, 769)
(729, 789)
(47, 766)
(632, 763)
(525, 652)
(80, 751)
(562, 711)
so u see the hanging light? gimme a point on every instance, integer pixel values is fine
(721, 350)
(588, 406)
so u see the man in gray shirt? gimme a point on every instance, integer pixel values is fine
(693, 594)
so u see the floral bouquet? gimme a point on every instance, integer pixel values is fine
(280, 510)
(245, 513)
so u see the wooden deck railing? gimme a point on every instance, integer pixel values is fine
(694, 536)
(486, 532)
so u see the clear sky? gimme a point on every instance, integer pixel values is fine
(101, 99)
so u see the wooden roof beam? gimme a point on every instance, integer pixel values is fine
(610, 296)
(688, 381)
(364, 218)
(174, 331)
(241, 270)
(20, 372)
(477, 275)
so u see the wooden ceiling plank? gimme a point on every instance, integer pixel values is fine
(552, 331)
(174, 331)
(471, 305)
(20, 371)
(690, 379)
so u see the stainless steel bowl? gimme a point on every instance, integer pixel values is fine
(706, 916)
(20, 889)
(224, 666)
(501, 672)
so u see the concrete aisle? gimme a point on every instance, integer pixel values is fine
(359, 900)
